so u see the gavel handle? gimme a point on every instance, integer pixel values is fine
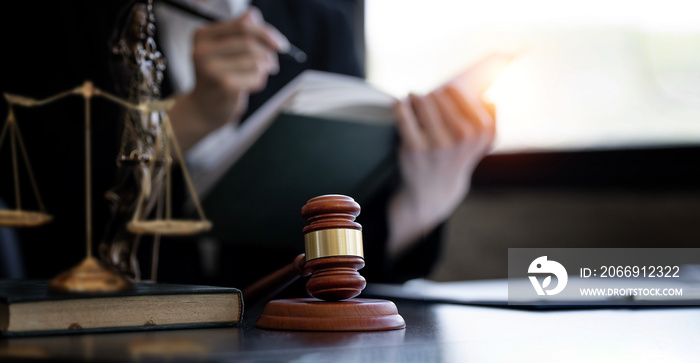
(275, 282)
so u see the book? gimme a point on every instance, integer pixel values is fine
(29, 308)
(322, 133)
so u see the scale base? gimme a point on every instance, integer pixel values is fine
(90, 276)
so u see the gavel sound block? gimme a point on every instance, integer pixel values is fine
(334, 253)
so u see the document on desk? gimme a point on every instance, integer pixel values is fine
(495, 293)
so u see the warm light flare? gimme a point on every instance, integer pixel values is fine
(519, 98)
(595, 74)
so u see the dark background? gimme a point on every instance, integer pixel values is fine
(645, 197)
(642, 197)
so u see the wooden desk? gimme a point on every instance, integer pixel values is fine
(435, 332)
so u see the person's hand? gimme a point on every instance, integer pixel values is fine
(444, 135)
(232, 59)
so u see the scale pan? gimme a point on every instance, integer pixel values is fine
(171, 227)
(23, 218)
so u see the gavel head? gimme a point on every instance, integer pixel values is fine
(333, 247)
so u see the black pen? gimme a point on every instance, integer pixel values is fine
(292, 51)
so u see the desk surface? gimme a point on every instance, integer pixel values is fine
(435, 332)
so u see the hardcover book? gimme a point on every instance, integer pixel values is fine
(29, 308)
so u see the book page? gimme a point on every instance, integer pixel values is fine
(337, 96)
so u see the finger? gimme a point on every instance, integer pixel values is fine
(491, 109)
(247, 24)
(231, 46)
(283, 42)
(236, 51)
(479, 76)
(239, 75)
(407, 125)
(479, 117)
(254, 15)
(274, 34)
(272, 63)
(246, 82)
(430, 120)
(473, 109)
(212, 65)
(460, 128)
(236, 65)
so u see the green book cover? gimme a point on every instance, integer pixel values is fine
(259, 199)
(323, 133)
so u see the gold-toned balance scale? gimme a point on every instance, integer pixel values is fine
(90, 275)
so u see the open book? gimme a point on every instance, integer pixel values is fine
(322, 133)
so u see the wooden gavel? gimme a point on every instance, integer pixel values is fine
(333, 244)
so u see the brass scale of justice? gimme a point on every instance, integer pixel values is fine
(333, 241)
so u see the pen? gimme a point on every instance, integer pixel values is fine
(292, 51)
